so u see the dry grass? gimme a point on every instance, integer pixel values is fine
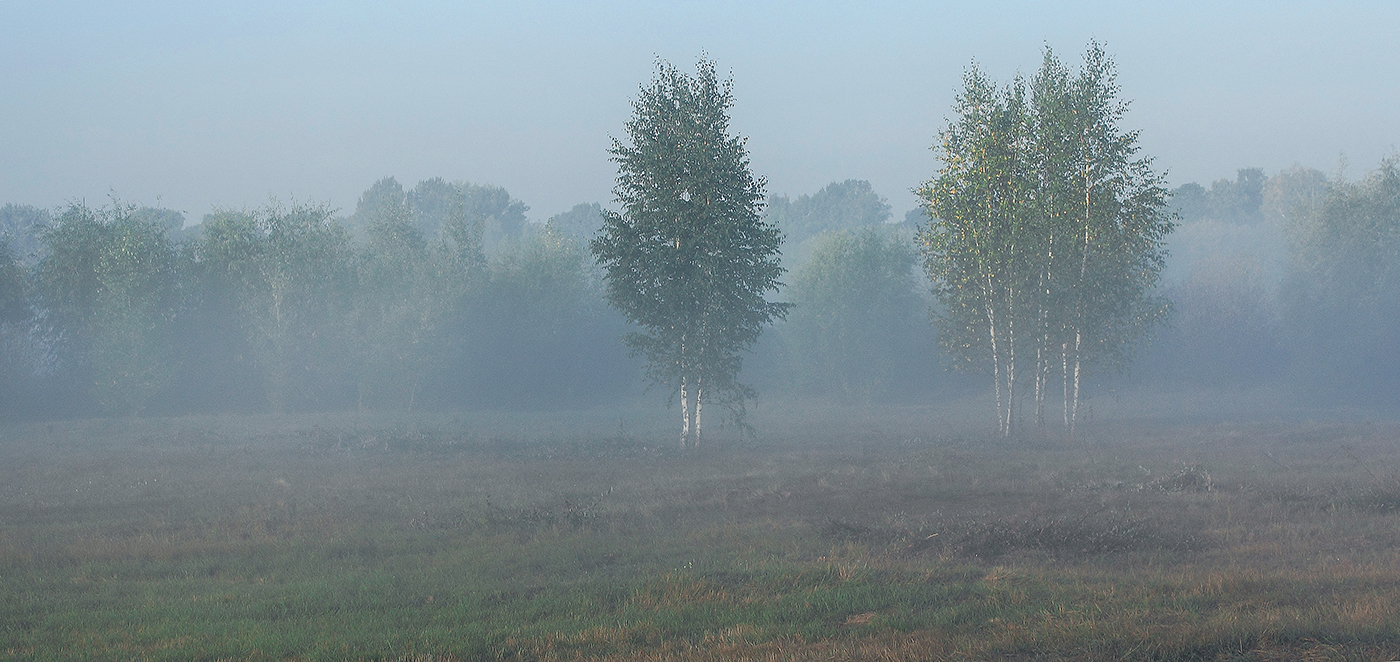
(443, 538)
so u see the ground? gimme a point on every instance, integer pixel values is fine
(880, 532)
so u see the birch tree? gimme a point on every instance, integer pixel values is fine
(290, 273)
(1046, 232)
(1120, 231)
(975, 246)
(689, 258)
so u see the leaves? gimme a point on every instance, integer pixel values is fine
(689, 258)
(110, 279)
(1047, 229)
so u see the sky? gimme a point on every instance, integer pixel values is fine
(197, 106)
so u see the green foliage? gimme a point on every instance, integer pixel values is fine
(1293, 193)
(14, 286)
(837, 206)
(110, 280)
(167, 219)
(290, 272)
(15, 336)
(1237, 202)
(977, 204)
(1342, 289)
(690, 258)
(1047, 230)
(407, 289)
(469, 215)
(582, 222)
(22, 225)
(858, 323)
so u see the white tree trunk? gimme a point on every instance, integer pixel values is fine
(699, 402)
(996, 360)
(685, 415)
(1064, 378)
(1008, 415)
(1040, 383)
(1074, 412)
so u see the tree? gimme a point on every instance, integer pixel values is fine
(407, 287)
(1238, 202)
(979, 206)
(14, 287)
(110, 280)
(690, 257)
(1119, 228)
(14, 311)
(857, 316)
(837, 206)
(23, 224)
(290, 272)
(581, 222)
(1342, 288)
(1046, 231)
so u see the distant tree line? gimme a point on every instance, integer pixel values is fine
(405, 304)
(1043, 243)
(1289, 280)
(120, 310)
(401, 304)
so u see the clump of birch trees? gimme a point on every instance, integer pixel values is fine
(1046, 233)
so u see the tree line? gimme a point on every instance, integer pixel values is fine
(287, 308)
(1038, 254)
(405, 303)
(1286, 280)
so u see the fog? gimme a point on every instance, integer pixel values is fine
(363, 208)
(361, 331)
(443, 296)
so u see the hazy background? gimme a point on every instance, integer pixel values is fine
(224, 104)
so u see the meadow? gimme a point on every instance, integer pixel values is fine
(882, 532)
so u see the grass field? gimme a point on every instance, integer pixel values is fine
(885, 533)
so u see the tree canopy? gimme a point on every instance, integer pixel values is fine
(1046, 231)
(1342, 288)
(689, 258)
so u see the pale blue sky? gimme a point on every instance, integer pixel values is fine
(204, 104)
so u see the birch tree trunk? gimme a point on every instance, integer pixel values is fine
(1064, 377)
(996, 354)
(699, 402)
(685, 414)
(1010, 362)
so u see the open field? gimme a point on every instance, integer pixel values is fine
(575, 536)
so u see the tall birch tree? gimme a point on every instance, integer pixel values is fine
(1046, 233)
(689, 258)
(975, 246)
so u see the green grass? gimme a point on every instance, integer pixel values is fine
(549, 537)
